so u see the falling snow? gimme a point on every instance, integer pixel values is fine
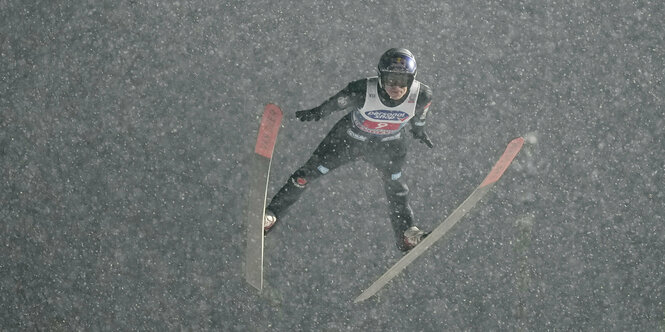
(126, 129)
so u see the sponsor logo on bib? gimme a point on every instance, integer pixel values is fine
(387, 115)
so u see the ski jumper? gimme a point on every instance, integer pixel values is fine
(372, 131)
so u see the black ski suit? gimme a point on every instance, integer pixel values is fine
(346, 142)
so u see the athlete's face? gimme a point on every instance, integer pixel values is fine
(396, 92)
(395, 85)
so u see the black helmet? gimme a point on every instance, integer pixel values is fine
(397, 64)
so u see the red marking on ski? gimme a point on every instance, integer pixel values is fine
(265, 143)
(506, 158)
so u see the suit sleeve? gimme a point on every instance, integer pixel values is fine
(352, 95)
(422, 107)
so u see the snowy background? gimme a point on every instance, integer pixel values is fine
(126, 128)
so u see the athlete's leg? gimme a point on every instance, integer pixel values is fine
(296, 184)
(389, 158)
(335, 150)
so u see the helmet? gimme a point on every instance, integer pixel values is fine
(397, 65)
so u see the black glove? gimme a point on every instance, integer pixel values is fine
(311, 114)
(420, 134)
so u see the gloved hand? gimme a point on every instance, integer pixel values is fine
(420, 134)
(311, 114)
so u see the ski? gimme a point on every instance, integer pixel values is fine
(497, 171)
(259, 173)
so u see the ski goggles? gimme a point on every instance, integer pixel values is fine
(396, 79)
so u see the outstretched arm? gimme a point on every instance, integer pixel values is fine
(352, 95)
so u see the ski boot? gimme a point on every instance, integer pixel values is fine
(269, 220)
(411, 238)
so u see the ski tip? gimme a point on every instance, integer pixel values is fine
(270, 123)
(517, 140)
(531, 138)
(507, 157)
(273, 108)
